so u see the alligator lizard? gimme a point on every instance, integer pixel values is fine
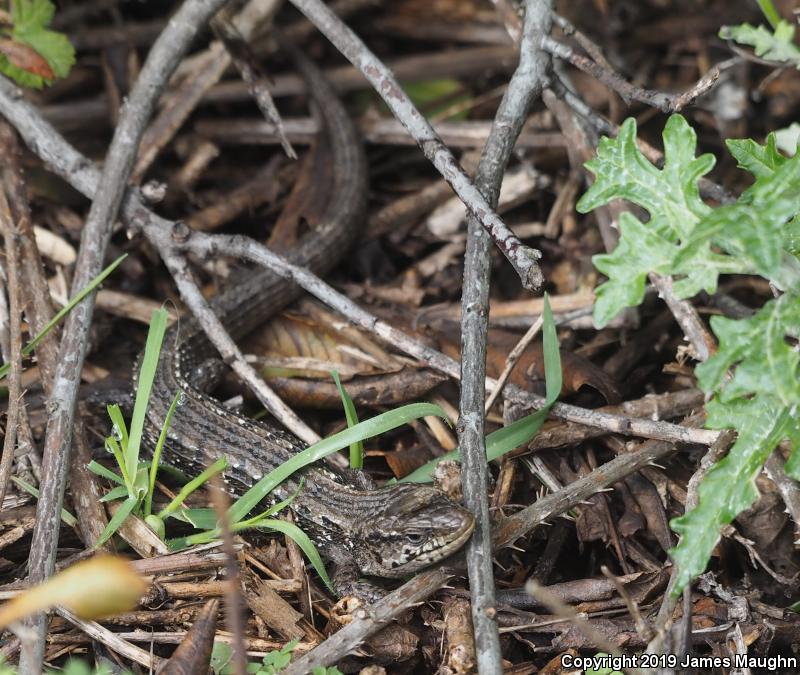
(386, 532)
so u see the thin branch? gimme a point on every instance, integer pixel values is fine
(252, 74)
(206, 69)
(161, 61)
(664, 618)
(524, 259)
(561, 610)
(216, 332)
(234, 603)
(111, 640)
(237, 246)
(38, 313)
(701, 339)
(15, 398)
(708, 188)
(464, 134)
(788, 488)
(666, 103)
(368, 622)
(512, 359)
(526, 83)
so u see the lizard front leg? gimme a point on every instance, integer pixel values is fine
(346, 581)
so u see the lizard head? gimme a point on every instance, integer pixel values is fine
(413, 527)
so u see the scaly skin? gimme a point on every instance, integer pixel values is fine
(386, 532)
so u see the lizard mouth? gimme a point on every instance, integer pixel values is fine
(462, 535)
(446, 546)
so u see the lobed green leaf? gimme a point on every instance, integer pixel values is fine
(775, 45)
(672, 198)
(729, 486)
(623, 172)
(755, 374)
(30, 19)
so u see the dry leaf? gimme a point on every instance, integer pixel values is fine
(100, 586)
(27, 58)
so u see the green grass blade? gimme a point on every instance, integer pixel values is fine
(66, 516)
(206, 519)
(552, 356)
(162, 437)
(304, 542)
(157, 525)
(98, 469)
(504, 440)
(770, 12)
(125, 509)
(119, 492)
(363, 430)
(498, 443)
(289, 529)
(281, 505)
(357, 448)
(112, 445)
(94, 283)
(117, 419)
(198, 518)
(192, 485)
(155, 336)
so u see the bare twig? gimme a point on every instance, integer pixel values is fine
(642, 627)
(788, 488)
(252, 74)
(560, 609)
(234, 604)
(15, 398)
(161, 61)
(511, 361)
(366, 623)
(207, 68)
(39, 312)
(110, 639)
(708, 188)
(701, 339)
(523, 258)
(382, 131)
(667, 103)
(525, 85)
(165, 240)
(236, 246)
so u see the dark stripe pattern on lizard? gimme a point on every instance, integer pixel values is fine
(386, 532)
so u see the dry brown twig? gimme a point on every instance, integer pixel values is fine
(111, 187)
(523, 259)
(527, 82)
(15, 397)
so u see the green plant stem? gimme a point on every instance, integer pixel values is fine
(99, 279)
(769, 12)
(162, 437)
(191, 486)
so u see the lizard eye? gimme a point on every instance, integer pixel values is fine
(415, 538)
